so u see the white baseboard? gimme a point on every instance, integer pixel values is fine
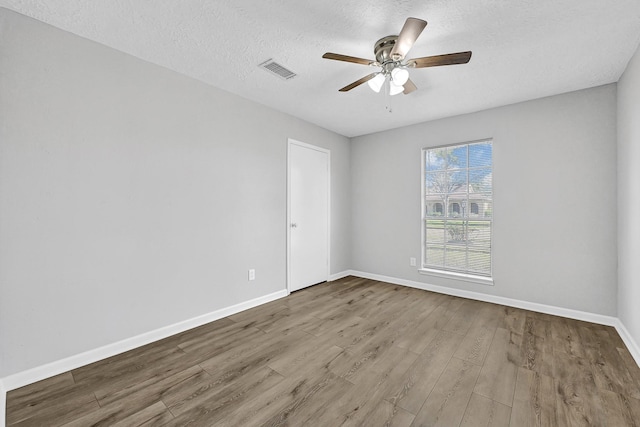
(36, 374)
(340, 275)
(39, 373)
(631, 344)
(526, 305)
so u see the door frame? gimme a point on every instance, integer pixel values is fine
(291, 142)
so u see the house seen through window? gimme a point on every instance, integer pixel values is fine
(458, 238)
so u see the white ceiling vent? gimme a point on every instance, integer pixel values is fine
(277, 69)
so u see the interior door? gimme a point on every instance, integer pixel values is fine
(308, 226)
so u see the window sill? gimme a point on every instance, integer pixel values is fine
(457, 276)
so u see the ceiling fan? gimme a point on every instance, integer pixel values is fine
(390, 52)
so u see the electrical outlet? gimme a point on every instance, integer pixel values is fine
(252, 274)
(412, 262)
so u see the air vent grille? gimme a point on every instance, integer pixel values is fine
(277, 69)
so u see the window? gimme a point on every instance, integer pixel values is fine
(459, 177)
(437, 208)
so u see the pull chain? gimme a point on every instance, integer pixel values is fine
(387, 90)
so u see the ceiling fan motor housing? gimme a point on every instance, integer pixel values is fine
(382, 50)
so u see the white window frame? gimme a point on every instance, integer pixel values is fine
(444, 273)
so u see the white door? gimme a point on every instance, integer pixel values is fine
(308, 201)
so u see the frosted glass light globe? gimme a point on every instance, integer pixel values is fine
(376, 83)
(399, 76)
(394, 89)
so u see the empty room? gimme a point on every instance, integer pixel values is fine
(270, 213)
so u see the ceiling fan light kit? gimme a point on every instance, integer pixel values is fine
(390, 53)
(395, 80)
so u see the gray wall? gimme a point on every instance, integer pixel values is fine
(629, 197)
(132, 197)
(554, 190)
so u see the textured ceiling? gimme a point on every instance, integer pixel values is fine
(521, 49)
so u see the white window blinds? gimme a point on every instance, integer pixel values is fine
(458, 208)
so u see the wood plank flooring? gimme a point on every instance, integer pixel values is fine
(354, 352)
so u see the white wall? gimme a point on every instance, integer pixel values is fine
(554, 236)
(132, 197)
(629, 197)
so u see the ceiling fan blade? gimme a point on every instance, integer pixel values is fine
(435, 61)
(358, 82)
(346, 58)
(409, 87)
(407, 37)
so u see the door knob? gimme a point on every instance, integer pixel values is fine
(294, 225)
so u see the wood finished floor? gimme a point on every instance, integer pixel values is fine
(354, 352)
